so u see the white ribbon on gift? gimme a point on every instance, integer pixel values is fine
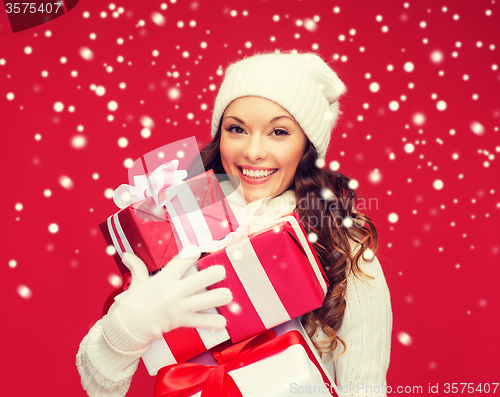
(164, 176)
(245, 225)
(120, 234)
(256, 283)
(193, 213)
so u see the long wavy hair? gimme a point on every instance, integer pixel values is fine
(326, 206)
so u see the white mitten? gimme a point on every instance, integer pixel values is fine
(160, 303)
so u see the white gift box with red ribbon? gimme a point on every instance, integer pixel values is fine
(279, 368)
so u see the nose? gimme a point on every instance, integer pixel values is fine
(255, 149)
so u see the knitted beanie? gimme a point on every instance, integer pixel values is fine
(302, 83)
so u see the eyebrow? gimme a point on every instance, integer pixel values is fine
(271, 121)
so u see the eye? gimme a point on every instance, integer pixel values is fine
(280, 132)
(236, 129)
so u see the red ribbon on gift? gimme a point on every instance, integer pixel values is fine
(185, 379)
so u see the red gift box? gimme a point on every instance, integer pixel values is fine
(146, 229)
(278, 362)
(274, 276)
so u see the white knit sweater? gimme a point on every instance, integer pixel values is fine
(108, 355)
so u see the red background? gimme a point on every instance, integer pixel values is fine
(440, 257)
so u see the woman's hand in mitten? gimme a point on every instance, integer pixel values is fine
(160, 303)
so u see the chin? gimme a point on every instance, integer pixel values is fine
(258, 195)
(254, 196)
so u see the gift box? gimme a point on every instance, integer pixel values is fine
(285, 289)
(274, 276)
(275, 363)
(156, 228)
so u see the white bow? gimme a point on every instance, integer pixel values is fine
(164, 176)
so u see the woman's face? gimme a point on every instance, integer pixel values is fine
(262, 145)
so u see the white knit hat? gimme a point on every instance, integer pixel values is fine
(301, 83)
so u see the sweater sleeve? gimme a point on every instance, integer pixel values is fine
(108, 357)
(366, 330)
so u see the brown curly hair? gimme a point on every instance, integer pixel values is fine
(329, 201)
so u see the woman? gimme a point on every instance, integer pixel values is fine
(271, 127)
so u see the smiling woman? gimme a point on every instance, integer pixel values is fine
(271, 126)
(272, 122)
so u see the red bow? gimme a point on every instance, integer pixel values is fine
(185, 379)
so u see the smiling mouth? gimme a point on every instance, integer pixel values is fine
(257, 174)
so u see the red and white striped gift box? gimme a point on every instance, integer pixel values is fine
(274, 276)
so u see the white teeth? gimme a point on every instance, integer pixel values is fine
(257, 174)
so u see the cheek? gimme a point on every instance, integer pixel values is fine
(290, 162)
(292, 157)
